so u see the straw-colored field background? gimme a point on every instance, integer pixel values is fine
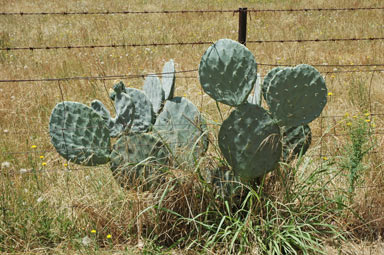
(25, 108)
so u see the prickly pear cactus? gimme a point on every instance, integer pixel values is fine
(168, 79)
(267, 80)
(228, 72)
(79, 134)
(250, 141)
(296, 96)
(124, 112)
(296, 141)
(181, 127)
(143, 114)
(100, 109)
(119, 86)
(154, 91)
(137, 159)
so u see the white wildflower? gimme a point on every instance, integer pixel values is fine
(86, 241)
(23, 171)
(5, 164)
(6, 131)
(40, 199)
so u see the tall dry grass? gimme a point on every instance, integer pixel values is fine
(57, 209)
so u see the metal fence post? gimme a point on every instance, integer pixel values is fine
(242, 26)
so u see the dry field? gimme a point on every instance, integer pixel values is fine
(44, 208)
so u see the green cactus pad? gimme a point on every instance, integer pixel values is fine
(100, 109)
(250, 141)
(168, 79)
(181, 127)
(143, 113)
(79, 134)
(125, 110)
(120, 86)
(137, 160)
(228, 71)
(154, 91)
(296, 96)
(296, 141)
(255, 98)
(268, 78)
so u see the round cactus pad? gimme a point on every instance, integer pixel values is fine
(168, 79)
(79, 134)
(268, 78)
(154, 91)
(296, 141)
(143, 113)
(180, 126)
(250, 141)
(296, 96)
(228, 72)
(136, 159)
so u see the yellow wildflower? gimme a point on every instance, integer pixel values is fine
(349, 124)
(367, 114)
(109, 236)
(41, 156)
(367, 120)
(330, 94)
(93, 231)
(325, 158)
(65, 164)
(33, 147)
(44, 164)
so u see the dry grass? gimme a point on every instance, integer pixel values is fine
(77, 201)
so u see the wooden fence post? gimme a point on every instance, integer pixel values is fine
(242, 26)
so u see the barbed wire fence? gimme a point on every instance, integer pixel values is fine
(242, 38)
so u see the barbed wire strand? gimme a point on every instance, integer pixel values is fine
(135, 76)
(127, 12)
(106, 77)
(70, 47)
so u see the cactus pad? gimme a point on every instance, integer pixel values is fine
(125, 110)
(296, 141)
(296, 96)
(117, 87)
(152, 88)
(168, 79)
(143, 113)
(181, 127)
(268, 78)
(79, 134)
(250, 141)
(137, 159)
(227, 72)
